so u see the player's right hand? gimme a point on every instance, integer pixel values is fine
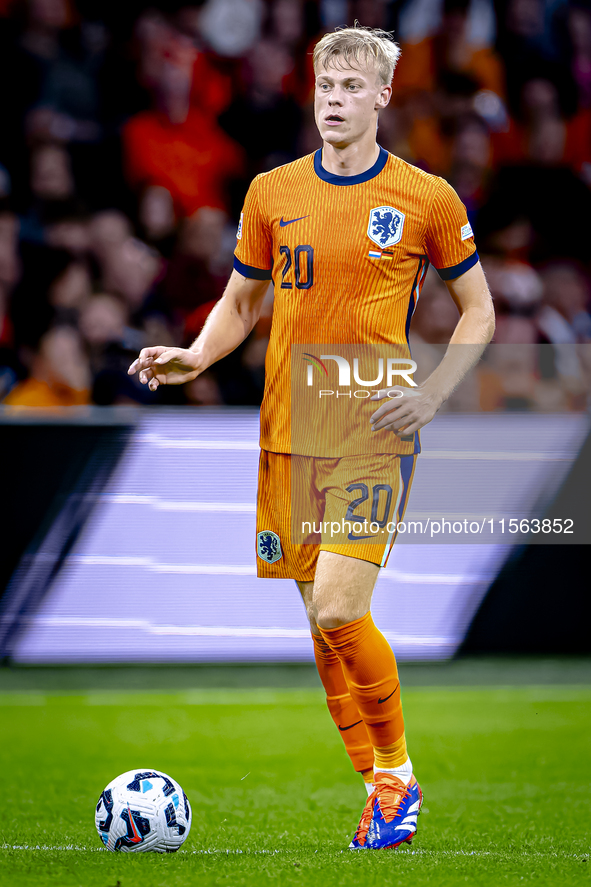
(162, 365)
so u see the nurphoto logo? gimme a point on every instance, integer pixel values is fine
(396, 368)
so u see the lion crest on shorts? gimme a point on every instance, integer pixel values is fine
(268, 546)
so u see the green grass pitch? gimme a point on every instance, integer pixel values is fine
(506, 773)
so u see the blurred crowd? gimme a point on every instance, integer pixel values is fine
(129, 134)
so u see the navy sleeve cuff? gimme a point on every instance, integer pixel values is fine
(458, 270)
(250, 271)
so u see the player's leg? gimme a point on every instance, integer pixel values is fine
(341, 706)
(278, 557)
(340, 606)
(365, 495)
(342, 594)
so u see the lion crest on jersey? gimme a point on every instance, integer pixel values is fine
(385, 226)
(269, 546)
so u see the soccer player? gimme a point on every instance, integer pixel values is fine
(346, 234)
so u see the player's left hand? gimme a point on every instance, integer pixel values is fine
(405, 411)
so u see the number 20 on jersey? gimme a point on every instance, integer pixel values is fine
(298, 267)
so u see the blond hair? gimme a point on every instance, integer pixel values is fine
(358, 46)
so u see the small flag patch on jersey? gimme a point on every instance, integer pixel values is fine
(384, 254)
(466, 231)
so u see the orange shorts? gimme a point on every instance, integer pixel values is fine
(306, 505)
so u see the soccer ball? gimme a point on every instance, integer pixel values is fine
(143, 810)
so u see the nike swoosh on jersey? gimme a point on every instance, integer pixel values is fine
(353, 538)
(283, 223)
(350, 727)
(387, 697)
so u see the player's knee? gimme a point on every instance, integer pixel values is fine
(336, 615)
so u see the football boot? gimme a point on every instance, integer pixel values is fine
(390, 814)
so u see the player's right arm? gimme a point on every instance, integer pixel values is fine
(227, 326)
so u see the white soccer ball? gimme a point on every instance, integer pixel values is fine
(143, 810)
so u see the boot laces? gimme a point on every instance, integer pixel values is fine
(390, 792)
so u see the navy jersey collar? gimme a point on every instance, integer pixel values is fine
(333, 179)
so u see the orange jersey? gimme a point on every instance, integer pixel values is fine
(348, 256)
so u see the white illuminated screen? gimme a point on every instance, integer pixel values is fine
(165, 570)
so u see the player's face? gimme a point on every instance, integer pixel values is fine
(346, 103)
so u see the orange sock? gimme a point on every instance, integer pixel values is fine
(369, 667)
(343, 710)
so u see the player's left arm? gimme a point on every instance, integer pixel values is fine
(417, 406)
